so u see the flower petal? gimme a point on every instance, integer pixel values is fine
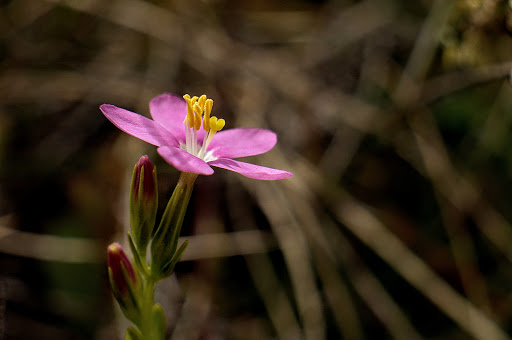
(170, 111)
(138, 126)
(251, 170)
(234, 143)
(184, 161)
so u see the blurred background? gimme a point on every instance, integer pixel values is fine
(394, 116)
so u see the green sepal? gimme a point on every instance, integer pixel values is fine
(129, 304)
(161, 248)
(133, 334)
(165, 241)
(158, 322)
(169, 268)
(142, 267)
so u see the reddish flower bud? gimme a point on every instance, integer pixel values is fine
(124, 281)
(121, 269)
(143, 204)
(147, 189)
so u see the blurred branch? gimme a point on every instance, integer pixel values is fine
(228, 244)
(442, 175)
(266, 280)
(296, 253)
(349, 26)
(80, 250)
(448, 83)
(195, 312)
(371, 290)
(132, 14)
(278, 305)
(370, 230)
(423, 52)
(20, 14)
(49, 247)
(330, 250)
(362, 223)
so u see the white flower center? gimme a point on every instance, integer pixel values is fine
(206, 156)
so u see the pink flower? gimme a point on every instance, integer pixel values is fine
(191, 141)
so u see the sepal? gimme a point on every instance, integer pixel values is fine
(165, 241)
(137, 258)
(169, 268)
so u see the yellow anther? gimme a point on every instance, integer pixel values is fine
(213, 124)
(220, 124)
(196, 118)
(189, 119)
(197, 122)
(207, 110)
(198, 113)
(208, 105)
(201, 101)
(197, 109)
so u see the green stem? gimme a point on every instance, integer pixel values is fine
(163, 257)
(147, 306)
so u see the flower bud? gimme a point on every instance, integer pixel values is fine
(124, 281)
(121, 268)
(143, 203)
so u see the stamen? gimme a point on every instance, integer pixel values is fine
(220, 124)
(213, 123)
(194, 142)
(198, 113)
(202, 151)
(189, 119)
(201, 102)
(207, 110)
(188, 138)
(198, 110)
